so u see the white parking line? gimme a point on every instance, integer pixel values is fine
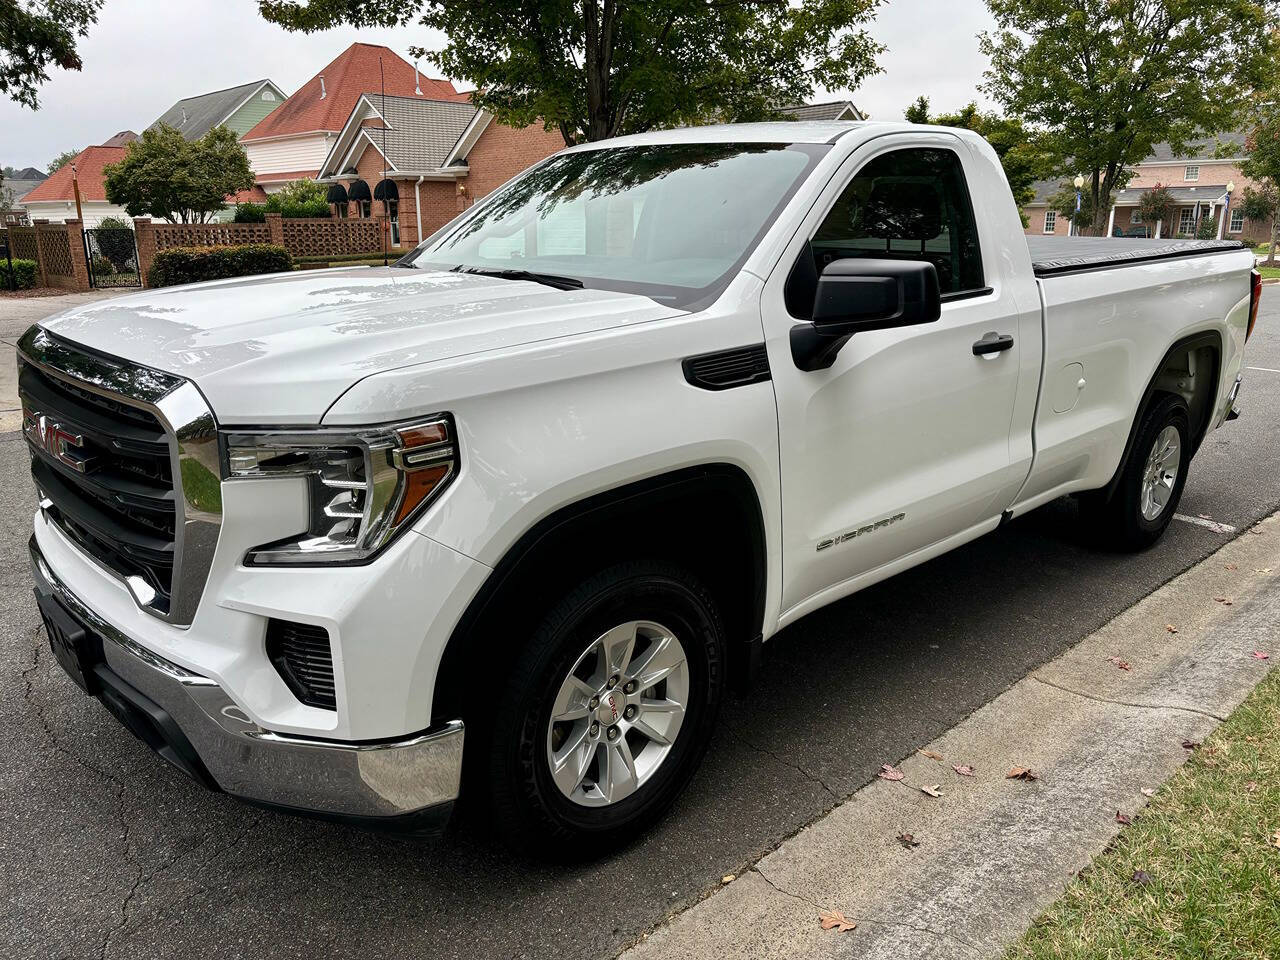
(1213, 525)
(1264, 369)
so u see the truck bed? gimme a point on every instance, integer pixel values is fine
(1051, 256)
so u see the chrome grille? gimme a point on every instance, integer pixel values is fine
(125, 459)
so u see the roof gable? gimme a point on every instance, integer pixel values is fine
(833, 110)
(419, 134)
(193, 117)
(326, 100)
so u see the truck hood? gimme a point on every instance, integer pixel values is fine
(283, 348)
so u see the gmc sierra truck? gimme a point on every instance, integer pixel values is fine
(508, 518)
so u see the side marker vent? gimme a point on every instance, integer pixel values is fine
(728, 368)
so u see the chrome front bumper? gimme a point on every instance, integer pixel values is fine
(413, 779)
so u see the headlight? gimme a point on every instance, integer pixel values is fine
(363, 486)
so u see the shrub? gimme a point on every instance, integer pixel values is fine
(194, 264)
(102, 267)
(251, 213)
(1208, 229)
(27, 272)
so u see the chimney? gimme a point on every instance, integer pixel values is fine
(417, 87)
(184, 116)
(322, 94)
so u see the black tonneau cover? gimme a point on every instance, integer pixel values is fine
(1055, 255)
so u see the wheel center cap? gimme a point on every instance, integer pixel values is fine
(610, 710)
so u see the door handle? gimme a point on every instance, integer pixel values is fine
(992, 343)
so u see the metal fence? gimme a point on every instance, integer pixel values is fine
(112, 254)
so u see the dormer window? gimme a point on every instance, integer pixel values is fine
(1192, 173)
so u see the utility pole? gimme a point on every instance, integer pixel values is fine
(75, 186)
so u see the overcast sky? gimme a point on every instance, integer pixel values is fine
(145, 54)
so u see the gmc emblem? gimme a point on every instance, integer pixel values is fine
(48, 435)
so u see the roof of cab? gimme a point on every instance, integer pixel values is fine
(784, 131)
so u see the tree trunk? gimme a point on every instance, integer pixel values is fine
(1271, 253)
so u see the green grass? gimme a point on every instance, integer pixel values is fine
(1269, 273)
(1205, 842)
(202, 486)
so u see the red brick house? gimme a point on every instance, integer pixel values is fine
(418, 162)
(292, 141)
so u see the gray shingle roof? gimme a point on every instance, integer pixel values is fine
(1190, 194)
(1203, 149)
(1045, 189)
(196, 116)
(419, 133)
(822, 111)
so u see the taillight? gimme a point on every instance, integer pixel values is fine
(1255, 298)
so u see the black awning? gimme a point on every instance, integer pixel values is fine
(337, 194)
(359, 191)
(386, 190)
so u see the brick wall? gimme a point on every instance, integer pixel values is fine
(502, 152)
(1035, 223)
(57, 248)
(1212, 174)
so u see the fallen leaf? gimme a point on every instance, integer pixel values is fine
(728, 878)
(1142, 878)
(1275, 839)
(889, 772)
(963, 769)
(1259, 655)
(1171, 628)
(1232, 566)
(1205, 516)
(1263, 570)
(932, 791)
(1123, 818)
(835, 920)
(1257, 530)
(1147, 792)
(1122, 664)
(1251, 786)
(1190, 744)
(1022, 773)
(1225, 601)
(908, 840)
(930, 754)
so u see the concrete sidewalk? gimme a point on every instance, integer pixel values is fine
(994, 852)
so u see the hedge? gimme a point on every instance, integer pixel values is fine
(27, 272)
(193, 264)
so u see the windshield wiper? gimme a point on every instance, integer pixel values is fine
(549, 279)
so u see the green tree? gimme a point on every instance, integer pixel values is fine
(34, 36)
(1086, 218)
(165, 175)
(1018, 148)
(1109, 79)
(1263, 204)
(1262, 165)
(1157, 206)
(599, 68)
(61, 160)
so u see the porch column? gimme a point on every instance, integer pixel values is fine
(1111, 221)
(1158, 223)
(1222, 221)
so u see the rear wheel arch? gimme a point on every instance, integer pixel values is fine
(1189, 369)
(707, 519)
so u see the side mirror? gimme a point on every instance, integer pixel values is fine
(855, 295)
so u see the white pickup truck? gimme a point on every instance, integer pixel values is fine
(548, 483)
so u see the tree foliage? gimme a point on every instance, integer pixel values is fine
(167, 176)
(61, 160)
(1091, 210)
(1157, 204)
(35, 36)
(600, 68)
(1262, 165)
(1109, 79)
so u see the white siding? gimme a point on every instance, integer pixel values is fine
(60, 211)
(284, 156)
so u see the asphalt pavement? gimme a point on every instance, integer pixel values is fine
(107, 852)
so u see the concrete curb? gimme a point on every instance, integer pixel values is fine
(994, 852)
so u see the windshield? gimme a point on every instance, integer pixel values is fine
(672, 222)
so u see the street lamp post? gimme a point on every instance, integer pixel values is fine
(1079, 182)
(1226, 209)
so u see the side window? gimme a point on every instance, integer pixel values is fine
(907, 205)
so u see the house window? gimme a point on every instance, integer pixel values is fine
(1192, 173)
(1187, 220)
(1135, 217)
(366, 209)
(1237, 221)
(1050, 220)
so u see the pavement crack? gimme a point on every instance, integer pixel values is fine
(1127, 703)
(113, 783)
(872, 921)
(812, 778)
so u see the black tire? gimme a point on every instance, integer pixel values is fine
(1117, 522)
(526, 806)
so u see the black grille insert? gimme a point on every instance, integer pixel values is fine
(728, 368)
(112, 491)
(303, 656)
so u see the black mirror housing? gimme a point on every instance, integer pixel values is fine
(855, 295)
